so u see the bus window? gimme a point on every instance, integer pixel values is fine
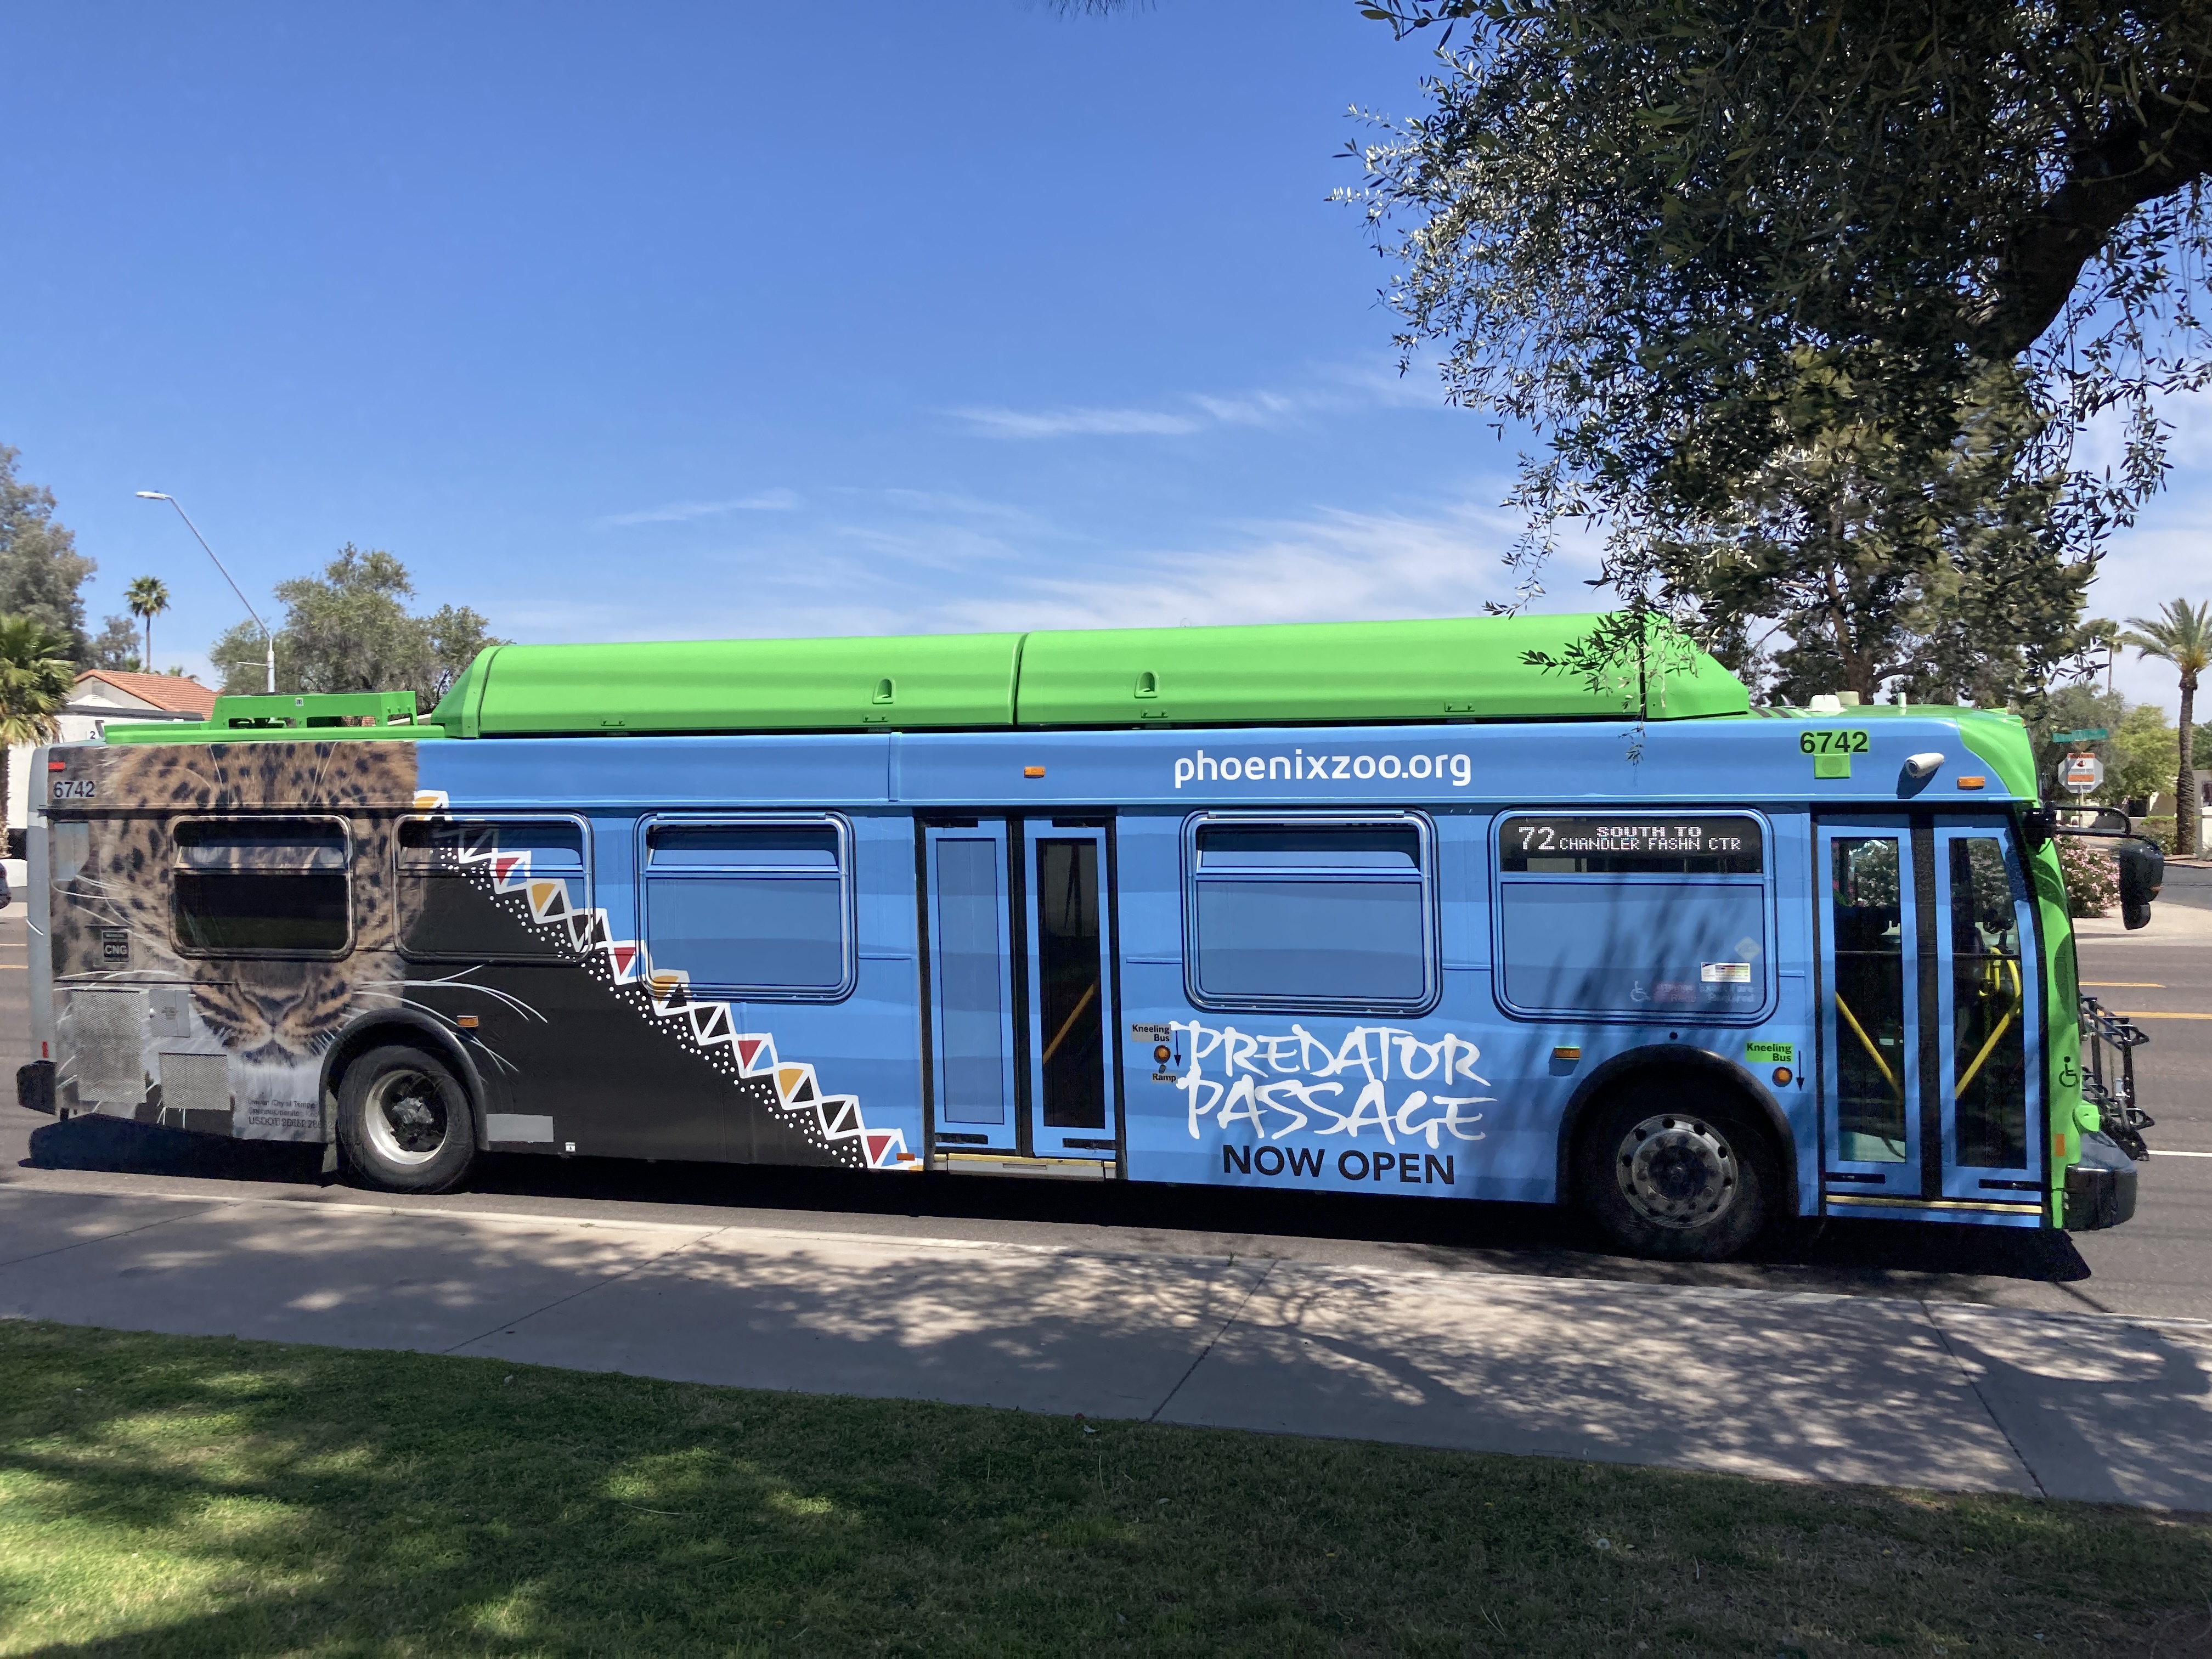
(1866, 916)
(262, 887)
(1311, 914)
(1662, 919)
(443, 914)
(751, 908)
(1988, 1002)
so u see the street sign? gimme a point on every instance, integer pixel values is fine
(2087, 734)
(2083, 773)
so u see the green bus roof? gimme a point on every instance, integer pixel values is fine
(1458, 669)
(1469, 668)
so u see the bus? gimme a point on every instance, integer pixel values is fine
(1388, 907)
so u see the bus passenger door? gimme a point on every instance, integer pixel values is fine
(1070, 991)
(1990, 1017)
(1870, 1083)
(971, 988)
(1930, 1020)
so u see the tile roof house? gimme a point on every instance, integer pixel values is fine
(107, 692)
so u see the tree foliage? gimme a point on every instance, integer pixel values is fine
(36, 676)
(116, 645)
(2180, 635)
(348, 630)
(2138, 750)
(40, 570)
(147, 597)
(1808, 304)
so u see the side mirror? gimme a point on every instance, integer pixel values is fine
(2142, 872)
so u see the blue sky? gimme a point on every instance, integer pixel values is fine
(687, 321)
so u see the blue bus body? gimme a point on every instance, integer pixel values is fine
(1401, 959)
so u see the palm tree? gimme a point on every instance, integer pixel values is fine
(147, 597)
(35, 678)
(2182, 636)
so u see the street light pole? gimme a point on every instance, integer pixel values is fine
(267, 637)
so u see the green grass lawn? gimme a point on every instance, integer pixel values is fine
(181, 1496)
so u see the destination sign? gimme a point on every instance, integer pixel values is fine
(1620, 845)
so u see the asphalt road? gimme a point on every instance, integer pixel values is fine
(2188, 884)
(2159, 1266)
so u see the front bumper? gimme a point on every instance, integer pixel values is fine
(2100, 1190)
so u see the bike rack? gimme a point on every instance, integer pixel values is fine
(2110, 1085)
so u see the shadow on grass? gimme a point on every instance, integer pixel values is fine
(189, 1497)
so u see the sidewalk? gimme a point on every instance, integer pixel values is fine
(1779, 1386)
(2171, 923)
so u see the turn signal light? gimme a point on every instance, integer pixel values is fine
(1782, 1074)
(1972, 783)
(1568, 1052)
(467, 1022)
(1032, 771)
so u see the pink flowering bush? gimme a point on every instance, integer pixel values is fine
(2092, 876)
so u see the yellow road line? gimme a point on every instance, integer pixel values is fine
(2120, 985)
(2166, 1016)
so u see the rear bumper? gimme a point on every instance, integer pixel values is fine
(2100, 1190)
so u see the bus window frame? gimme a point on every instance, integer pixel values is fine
(1431, 885)
(1674, 1014)
(848, 886)
(177, 865)
(559, 953)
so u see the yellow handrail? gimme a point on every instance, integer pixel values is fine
(2003, 1025)
(1866, 1043)
(1068, 1024)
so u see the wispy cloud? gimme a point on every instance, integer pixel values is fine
(1330, 566)
(1335, 388)
(767, 501)
(924, 575)
(1077, 422)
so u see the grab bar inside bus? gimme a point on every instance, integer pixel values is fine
(1866, 1044)
(1068, 1024)
(2003, 1025)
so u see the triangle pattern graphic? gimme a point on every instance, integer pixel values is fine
(708, 1025)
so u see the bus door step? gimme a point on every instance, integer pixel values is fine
(1007, 1163)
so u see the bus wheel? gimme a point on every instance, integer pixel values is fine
(404, 1121)
(1679, 1185)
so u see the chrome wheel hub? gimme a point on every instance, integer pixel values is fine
(1675, 1170)
(407, 1120)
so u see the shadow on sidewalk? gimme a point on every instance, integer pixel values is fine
(1889, 1258)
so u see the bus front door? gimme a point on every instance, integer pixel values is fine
(1928, 1020)
(1021, 988)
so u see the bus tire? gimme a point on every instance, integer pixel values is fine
(404, 1122)
(1676, 1181)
